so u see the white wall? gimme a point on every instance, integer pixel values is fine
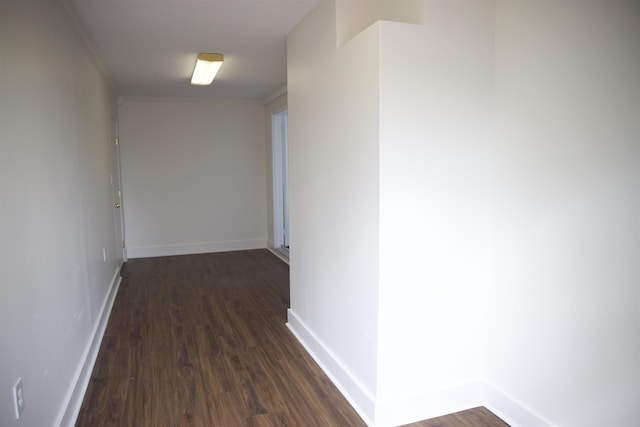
(193, 176)
(435, 109)
(56, 214)
(564, 318)
(506, 199)
(377, 294)
(333, 170)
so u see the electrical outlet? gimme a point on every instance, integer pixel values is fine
(18, 398)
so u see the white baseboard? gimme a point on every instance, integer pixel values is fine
(510, 410)
(356, 394)
(73, 400)
(411, 408)
(195, 248)
(279, 255)
(391, 412)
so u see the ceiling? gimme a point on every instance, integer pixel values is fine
(149, 47)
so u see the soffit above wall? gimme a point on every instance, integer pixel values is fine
(354, 16)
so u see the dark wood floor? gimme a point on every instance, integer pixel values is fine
(476, 417)
(200, 340)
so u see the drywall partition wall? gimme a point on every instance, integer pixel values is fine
(193, 176)
(435, 127)
(333, 169)
(58, 262)
(401, 111)
(354, 16)
(508, 225)
(563, 314)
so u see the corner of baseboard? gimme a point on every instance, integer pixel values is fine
(511, 410)
(277, 254)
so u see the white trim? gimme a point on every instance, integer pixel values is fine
(276, 153)
(116, 178)
(279, 255)
(75, 394)
(195, 248)
(510, 410)
(356, 394)
(280, 176)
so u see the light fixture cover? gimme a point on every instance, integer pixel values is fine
(207, 65)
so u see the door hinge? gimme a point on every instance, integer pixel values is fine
(117, 141)
(123, 244)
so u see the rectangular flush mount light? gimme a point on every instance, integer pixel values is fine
(207, 65)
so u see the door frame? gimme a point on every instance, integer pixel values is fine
(280, 153)
(116, 186)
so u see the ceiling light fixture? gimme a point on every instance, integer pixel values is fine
(207, 65)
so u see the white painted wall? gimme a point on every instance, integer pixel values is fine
(504, 185)
(435, 109)
(194, 176)
(56, 214)
(564, 313)
(372, 140)
(333, 170)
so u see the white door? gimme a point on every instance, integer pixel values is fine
(117, 191)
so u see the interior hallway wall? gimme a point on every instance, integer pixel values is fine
(504, 185)
(333, 170)
(58, 257)
(193, 176)
(436, 104)
(564, 317)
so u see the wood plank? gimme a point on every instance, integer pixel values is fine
(476, 417)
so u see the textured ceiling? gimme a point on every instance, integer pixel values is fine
(149, 46)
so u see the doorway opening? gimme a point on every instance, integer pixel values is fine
(279, 126)
(116, 186)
